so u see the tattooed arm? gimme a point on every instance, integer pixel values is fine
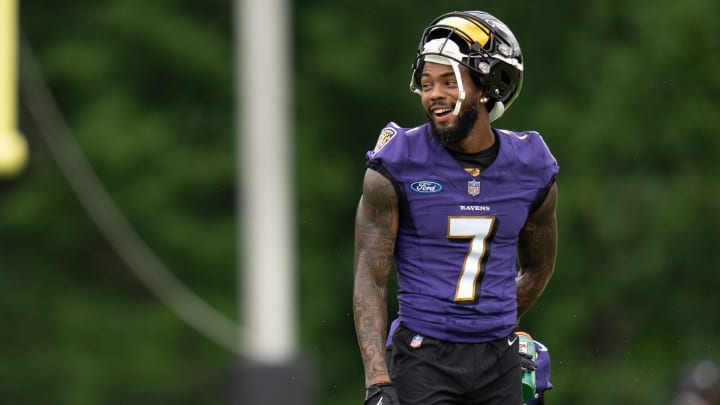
(537, 250)
(376, 227)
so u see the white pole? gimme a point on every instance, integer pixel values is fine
(265, 181)
(13, 147)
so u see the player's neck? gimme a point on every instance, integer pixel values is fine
(481, 138)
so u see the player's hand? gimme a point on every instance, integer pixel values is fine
(527, 363)
(381, 394)
(526, 348)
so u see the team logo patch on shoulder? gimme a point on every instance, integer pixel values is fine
(426, 187)
(385, 136)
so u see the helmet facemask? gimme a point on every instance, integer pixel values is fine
(444, 52)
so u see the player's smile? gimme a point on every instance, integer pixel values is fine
(441, 114)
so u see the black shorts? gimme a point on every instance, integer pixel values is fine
(427, 371)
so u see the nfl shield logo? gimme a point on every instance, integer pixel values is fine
(416, 341)
(473, 187)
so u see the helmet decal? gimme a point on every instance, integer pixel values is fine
(467, 30)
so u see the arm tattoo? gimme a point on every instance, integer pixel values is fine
(375, 231)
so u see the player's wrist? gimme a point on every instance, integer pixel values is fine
(381, 393)
(378, 386)
(377, 382)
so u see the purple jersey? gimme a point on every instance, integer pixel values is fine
(456, 244)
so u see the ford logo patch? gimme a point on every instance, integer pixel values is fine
(426, 186)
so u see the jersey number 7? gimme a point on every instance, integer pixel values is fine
(479, 230)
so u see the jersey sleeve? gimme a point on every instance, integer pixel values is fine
(551, 167)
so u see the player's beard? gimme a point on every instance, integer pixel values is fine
(457, 132)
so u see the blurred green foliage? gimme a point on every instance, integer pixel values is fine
(625, 94)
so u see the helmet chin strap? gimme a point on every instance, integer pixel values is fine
(461, 88)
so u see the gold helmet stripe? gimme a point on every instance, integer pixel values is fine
(471, 32)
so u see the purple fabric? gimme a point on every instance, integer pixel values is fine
(453, 223)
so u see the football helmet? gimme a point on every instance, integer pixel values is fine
(483, 44)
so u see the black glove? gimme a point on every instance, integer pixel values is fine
(527, 363)
(381, 394)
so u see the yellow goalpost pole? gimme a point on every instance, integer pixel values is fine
(13, 146)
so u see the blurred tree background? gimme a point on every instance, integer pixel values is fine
(625, 93)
